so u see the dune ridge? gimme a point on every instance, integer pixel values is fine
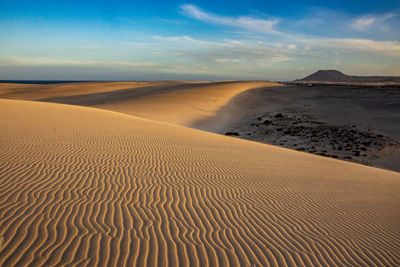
(140, 192)
(56, 90)
(182, 103)
(184, 106)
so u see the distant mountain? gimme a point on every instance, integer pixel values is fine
(337, 76)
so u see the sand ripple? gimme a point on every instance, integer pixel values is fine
(81, 186)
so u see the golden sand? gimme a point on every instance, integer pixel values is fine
(43, 91)
(184, 106)
(170, 101)
(83, 186)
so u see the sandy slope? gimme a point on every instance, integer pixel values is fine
(94, 187)
(40, 91)
(182, 103)
(183, 106)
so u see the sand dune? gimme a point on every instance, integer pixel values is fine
(185, 106)
(56, 90)
(83, 186)
(182, 103)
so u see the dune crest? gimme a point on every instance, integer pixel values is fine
(182, 103)
(82, 186)
(185, 106)
(56, 90)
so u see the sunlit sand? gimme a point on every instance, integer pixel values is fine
(86, 186)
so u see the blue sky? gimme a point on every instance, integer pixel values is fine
(196, 40)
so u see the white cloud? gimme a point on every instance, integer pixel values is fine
(391, 48)
(292, 47)
(186, 39)
(131, 64)
(279, 58)
(245, 22)
(368, 22)
(307, 48)
(227, 60)
(363, 24)
(61, 62)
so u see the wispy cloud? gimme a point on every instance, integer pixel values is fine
(368, 22)
(227, 60)
(244, 22)
(388, 48)
(60, 62)
(184, 39)
(363, 23)
(233, 54)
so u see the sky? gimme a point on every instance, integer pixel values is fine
(196, 40)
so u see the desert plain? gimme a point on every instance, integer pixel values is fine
(142, 173)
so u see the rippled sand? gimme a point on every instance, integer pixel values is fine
(83, 186)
